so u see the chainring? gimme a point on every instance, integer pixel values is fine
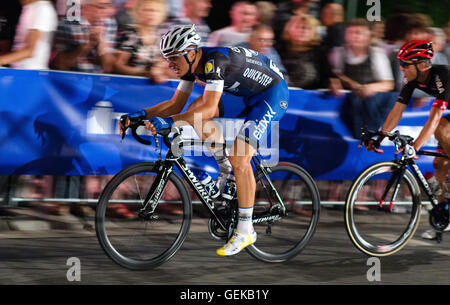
(227, 214)
(439, 216)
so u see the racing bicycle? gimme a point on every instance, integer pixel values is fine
(383, 205)
(286, 211)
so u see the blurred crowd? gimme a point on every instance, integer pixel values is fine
(315, 47)
(122, 36)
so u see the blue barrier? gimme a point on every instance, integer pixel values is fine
(60, 123)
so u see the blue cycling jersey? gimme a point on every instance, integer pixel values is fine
(243, 72)
(247, 73)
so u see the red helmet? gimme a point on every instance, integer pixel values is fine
(416, 50)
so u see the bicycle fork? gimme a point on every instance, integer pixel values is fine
(394, 181)
(156, 190)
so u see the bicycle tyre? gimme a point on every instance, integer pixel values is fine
(378, 219)
(109, 227)
(286, 245)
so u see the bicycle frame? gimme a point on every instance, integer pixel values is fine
(395, 179)
(421, 179)
(174, 158)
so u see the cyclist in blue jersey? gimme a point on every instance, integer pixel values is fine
(236, 70)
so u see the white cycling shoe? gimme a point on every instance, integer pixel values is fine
(238, 242)
(431, 234)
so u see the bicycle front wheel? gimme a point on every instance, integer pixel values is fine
(282, 239)
(382, 209)
(127, 238)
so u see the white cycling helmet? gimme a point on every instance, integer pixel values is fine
(178, 39)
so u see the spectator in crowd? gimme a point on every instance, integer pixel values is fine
(377, 29)
(365, 70)
(195, 12)
(33, 38)
(447, 43)
(332, 16)
(284, 12)
(261, 40)
(413, 28)
(243, 16)
(395, 31)
(174, 8)
(266, 12)
(87, 45)
(9, 16)
(126, 15)
(307, 65)
(138, 45)
(437, 37)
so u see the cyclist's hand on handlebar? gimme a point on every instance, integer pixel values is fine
(126, 119)
(124, 122)
(149, 126)
(409, 152)
(373, 146)
(157, 124)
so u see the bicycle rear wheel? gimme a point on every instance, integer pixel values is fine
(282, 239)
(128, 239)
(373, 227)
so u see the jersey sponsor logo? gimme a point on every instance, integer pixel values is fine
(209, 66)
(214, 85)
(198, 186)
(275, 69)
(439, 85)
(440, 104)
(253, 61)
(233, 88)
(258, 76)
(261, 128)
(247, 52)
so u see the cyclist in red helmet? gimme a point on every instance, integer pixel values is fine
(415, 62)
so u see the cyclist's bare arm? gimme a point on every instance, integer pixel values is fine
(165, 109)
(392, 120)
(393, 117)
(207, 109)
(429, 128)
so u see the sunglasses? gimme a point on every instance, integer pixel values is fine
(406, 64)
(173, 58)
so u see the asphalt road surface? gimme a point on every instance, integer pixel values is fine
(43, 256)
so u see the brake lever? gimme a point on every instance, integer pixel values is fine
(124, 129)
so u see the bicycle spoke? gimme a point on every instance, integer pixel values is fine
(131, 239)
(377, 227)
(286, 236)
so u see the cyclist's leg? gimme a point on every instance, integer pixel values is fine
(208, 130)
(266, 108)
(441, 165)
(240, 158)
(441, 169)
